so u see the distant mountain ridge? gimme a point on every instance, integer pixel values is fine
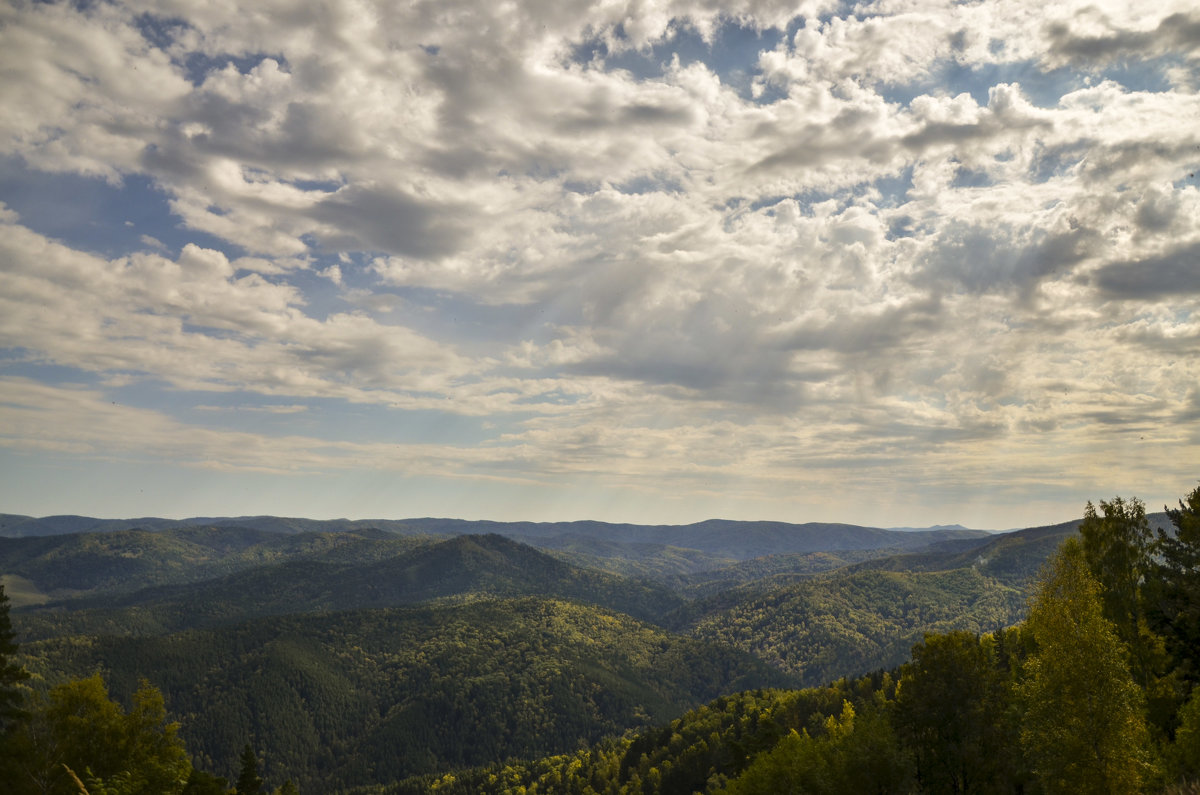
(739, 540)
(19, 526)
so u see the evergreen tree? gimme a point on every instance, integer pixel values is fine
(14, 748)
(1173, 592)
(1084, 730)
(248, 782)
(11, 674)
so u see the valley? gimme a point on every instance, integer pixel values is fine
(358, 656)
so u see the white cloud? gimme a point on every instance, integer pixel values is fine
(947, 233)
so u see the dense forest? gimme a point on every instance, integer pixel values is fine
(420, 659)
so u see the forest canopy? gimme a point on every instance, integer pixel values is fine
(1095, 690)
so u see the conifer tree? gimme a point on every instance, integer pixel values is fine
(248, 782)
(1174, 589)
(11, 674)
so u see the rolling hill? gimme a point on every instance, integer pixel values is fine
(464, 567)
(355, 655)
(369, 696)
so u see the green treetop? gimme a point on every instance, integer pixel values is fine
(1084, 729)
(248, 782)
(1174, 588)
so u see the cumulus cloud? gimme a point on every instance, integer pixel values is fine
(961, 234)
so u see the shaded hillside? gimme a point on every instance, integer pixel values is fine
(848, 623)
(460, 567)
(375, 695)
(628, 558)
(773, 569)
(695, 753)
(1014, 558)
(124, 560)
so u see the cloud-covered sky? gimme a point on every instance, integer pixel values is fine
(647, 260)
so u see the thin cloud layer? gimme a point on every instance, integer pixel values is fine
(893, 263)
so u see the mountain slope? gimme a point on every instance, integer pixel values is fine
(851, 622)
(75, 564)
(1014, 558)
(375, 695)
(463, 567)
(627, 558)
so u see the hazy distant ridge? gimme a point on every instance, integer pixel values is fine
(740, 540)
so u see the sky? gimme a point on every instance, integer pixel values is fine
(653, 261)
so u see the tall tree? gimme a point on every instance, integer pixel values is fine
(1116, 547)
(13, 714)
(78, 728)
(248, 782)
(1173, 590)
(951, 711)
(1084, 729)
(11, 674)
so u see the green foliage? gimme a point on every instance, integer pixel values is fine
(448, 570)
(94, 563)
(771, 570)
(853, 753)
(117, 784)
(1183, 755)
(12, 674)
(713, 747)
(1115, 546)
(248, 780)
(333, 696)
(1083, 726)
(640, 560)
(203, 783)
(850, 623)
(1173, 592)
(77, 727)
(953, 711)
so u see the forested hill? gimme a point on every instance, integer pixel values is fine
(1013, 558)
(370, 696)
(457, 568)
(352, 656)
(79, 564)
